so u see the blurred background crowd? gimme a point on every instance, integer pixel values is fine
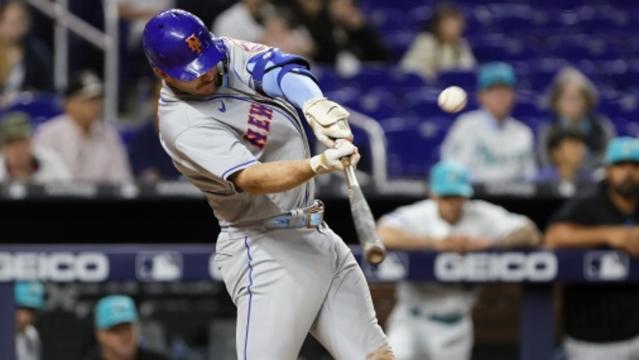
(557, 82)
(553, 98)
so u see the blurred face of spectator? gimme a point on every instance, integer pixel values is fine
(310, 7)
(498, 100)
(202, 86)
(451, 208)
(24, 317)
(84, 111)
(571, 103)
(450, 28)
(569, 153)
(119, 342)
(623, 178)
(17, 153)
(346, 13)
(14, 23)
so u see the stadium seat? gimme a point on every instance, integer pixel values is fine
(413, 144)
(461, 78)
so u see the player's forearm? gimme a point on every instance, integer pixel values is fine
(398, 239)
(528, 235)
(273, 177)
(571, 235)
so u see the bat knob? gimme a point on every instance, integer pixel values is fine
(375, 255)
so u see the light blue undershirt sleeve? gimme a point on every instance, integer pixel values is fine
(296, 88)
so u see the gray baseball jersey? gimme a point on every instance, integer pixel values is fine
(294, 280)
(209, 139)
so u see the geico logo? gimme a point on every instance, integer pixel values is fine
(509, 266)
(58, 266)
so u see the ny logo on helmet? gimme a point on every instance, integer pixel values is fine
(194, 44)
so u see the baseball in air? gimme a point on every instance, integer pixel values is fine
(452, 99)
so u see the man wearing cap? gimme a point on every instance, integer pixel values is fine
(117, 332)
(601, 321)
(432, 321)
(20, 160)
(91, 149)
(490, 142)
(29, 301)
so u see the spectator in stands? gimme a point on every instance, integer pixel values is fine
(29, 297)
(572, 99)
(282, 32)
(149, 161)
(117, 331)
(441, 45)
(244, 21)
(25, 62)
(20, 160)
(341, 33)
(491, 143)
(134, 14)
(601, 321)
(567, 152)
(432, 321)
(91, 149)
(137, 13)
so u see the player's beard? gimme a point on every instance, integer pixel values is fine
(626, 188)
(206, 88)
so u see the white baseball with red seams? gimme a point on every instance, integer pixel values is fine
(453, 99)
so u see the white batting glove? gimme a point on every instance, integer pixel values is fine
(331, 159)
(328, 119)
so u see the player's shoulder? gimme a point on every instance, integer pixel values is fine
(482, 207)
(419, 208)
(55, 126)
(237, 46)
(470, 119)
(519, 126)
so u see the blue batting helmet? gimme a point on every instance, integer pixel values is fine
(178, 43)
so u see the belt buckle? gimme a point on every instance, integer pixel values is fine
(314, 214)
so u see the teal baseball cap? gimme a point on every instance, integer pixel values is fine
(496, 73)
(114, 310)
(622, 149)
(450, 179)
(29, 294)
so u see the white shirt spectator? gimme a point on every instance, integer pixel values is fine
(491, 151)
(427, 56)
(237, 22)
(50, 167)
(98, 156)
(480, 219)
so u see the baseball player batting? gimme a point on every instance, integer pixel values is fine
(230, 120)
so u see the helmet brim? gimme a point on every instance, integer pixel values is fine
(201, 65)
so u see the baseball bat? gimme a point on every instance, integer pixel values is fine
(374, 250)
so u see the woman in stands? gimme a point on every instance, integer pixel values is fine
(441, 46)
(24, 61)
(572, 99)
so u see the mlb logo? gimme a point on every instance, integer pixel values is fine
(606, 265)
(159, 266)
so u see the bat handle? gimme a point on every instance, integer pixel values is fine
(349, 171)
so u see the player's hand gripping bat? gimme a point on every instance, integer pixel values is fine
(374, 250)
